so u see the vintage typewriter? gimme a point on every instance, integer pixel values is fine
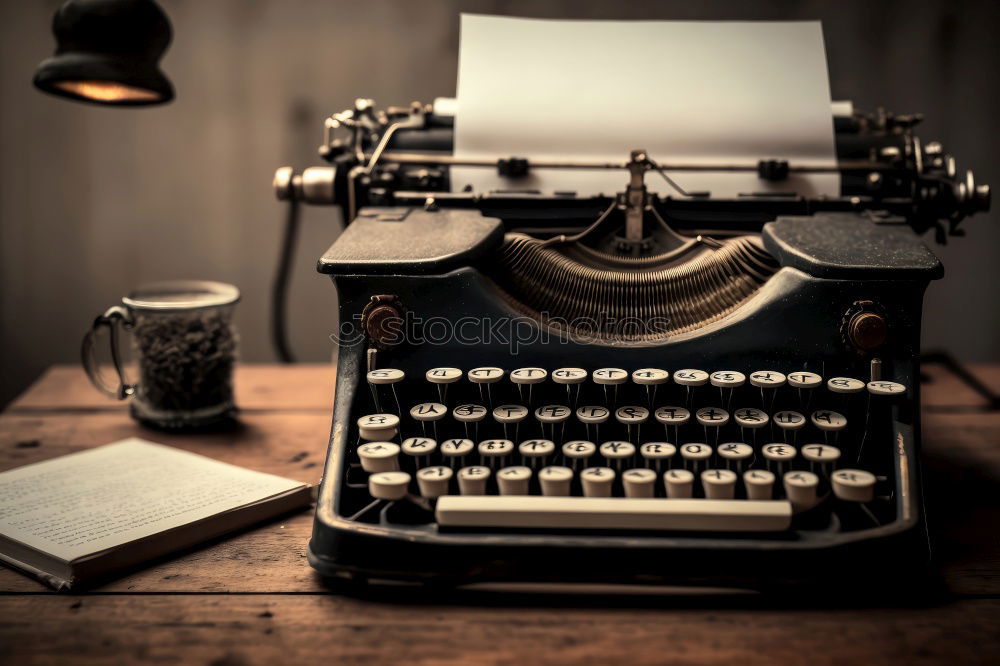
(632, 388)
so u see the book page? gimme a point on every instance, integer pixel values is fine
(83, 503)
(688, 92)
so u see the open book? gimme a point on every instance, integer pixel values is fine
(83, 515)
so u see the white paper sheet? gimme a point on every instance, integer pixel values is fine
(687, 92)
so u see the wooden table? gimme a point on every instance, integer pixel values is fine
(252, 598)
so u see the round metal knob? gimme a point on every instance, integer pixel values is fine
(867, 330)
(382, 320)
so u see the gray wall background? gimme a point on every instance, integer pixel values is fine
(96, 200)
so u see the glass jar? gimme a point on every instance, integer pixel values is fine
(183, 347)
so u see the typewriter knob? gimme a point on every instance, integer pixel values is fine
(864, 326)
(382, 319)
(867, 330)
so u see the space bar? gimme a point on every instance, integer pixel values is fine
(613, 513)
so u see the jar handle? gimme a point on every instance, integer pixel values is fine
(114, 317)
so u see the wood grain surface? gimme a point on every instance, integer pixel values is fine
(252, 598)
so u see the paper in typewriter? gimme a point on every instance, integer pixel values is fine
(687, 92)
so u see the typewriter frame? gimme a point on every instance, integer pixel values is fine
(356, 551)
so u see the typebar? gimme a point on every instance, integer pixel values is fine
(614, 513)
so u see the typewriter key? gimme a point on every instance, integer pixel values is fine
(472, 480)
(736, 454)
(433, 481)
(570, 377)
(455, 450)
(442, 377)
(769, 379)
(679, 483)
(555, 481)
(578, 450)
(804, 380)
(800, 489)
(886, 388)
(419, 447)
(379, 456)
(854, 485)
(388, 485)
(845, 385)
(527, 377)
(718, 483)
(536, 450)
(695, 455)
(759, 484)
(650, 376)
(386, 376)
(655, 453)
(597, 481)
(514, 480)
(378, 426)
(729, 379)
(469, 413)
(639, 482)
(616, 452)
(689, 377)
(485, 375)
(828, 421)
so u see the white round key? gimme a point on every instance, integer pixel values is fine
(800, 488)
(728, 379)
(689, 377)
(804, 380)
(597, 481)
(759, 484)
(657, 451)
(469, 413)
(779, 453)
(712, 417)
(886, 388)
(679, 483)
(528, 375)
(379, 456)
(419, 446)
(555, 481)
(579, 449)
(610, 376)
(639, 482)
(472, 480)
(552, 413)
(696, 452)
(569, 375)
(769, 379)
(821, 453)
(845, 385)
(592, 414)
(428, 411)
(388, 485)
(433, 481)
(485, 375)
(457, 448)
(674, 416)
(536, 448)
(514, 480)
(853, 485)
(617, 450)
(719, 483)
(378, 426)
(443, 375)
(496, 448)
(735, 451)
(829, 421)
(748, 417)
(510, 413)
(631, 415)
(788, 420)
(385, 376)
(650, 376)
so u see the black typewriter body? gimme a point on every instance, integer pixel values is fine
(750, 292)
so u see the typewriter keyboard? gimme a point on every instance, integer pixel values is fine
(611, 449)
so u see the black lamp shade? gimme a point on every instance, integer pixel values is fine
(108, 52)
